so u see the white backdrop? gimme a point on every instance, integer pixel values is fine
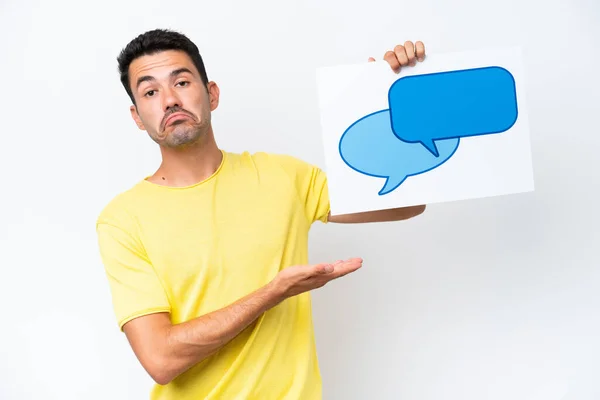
(485, 299)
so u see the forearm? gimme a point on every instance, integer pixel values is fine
(190, 342)
(392, 214)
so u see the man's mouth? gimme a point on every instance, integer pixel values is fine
(176, 117)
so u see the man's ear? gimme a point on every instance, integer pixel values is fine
(136, 117)
(213, 95)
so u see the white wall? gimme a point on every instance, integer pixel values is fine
(486, 299)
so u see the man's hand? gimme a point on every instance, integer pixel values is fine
(404, 55)
(302, 278)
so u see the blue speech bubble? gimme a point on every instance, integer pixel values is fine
(444, 105)
(370, 147)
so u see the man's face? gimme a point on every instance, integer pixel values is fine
(172, 103)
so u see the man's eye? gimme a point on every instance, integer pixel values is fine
(149, 93)
(183, 83)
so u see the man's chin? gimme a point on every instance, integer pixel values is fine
(179, 138)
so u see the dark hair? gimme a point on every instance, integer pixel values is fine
(155, 41)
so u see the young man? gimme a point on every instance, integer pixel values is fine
(207, 258)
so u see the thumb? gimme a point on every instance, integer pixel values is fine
(371, 59)
(324, 268)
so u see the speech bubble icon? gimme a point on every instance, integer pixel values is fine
(454, 104)
(370, 147)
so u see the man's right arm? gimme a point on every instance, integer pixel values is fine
(167, 350)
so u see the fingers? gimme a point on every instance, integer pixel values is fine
(326, 268)
(411, 53)
(346, 267)
(321, 269)
(420, 51)
(404, 55)
(301, 278)
(338, 268)
(391, 58)
(401, 55)
(371, 59)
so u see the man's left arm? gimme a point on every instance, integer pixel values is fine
(392, 214)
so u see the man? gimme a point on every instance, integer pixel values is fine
(207, 258)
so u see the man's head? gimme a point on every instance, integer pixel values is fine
(164, 75)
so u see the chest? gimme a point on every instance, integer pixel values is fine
(228, 238)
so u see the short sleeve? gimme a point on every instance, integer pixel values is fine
(314, 193)
(310, 183)
(135, 288)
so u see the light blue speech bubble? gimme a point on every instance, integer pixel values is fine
(370, 147)
(454, 104)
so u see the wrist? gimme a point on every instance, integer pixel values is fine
(275, 292)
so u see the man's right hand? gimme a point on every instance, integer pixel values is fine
(302, 278)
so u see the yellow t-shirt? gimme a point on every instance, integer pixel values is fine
(196, 249)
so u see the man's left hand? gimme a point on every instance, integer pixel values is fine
(404, 55)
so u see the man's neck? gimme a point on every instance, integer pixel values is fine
(186, 167)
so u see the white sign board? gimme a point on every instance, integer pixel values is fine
(453, 127)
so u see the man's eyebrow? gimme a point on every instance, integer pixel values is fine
(145, 78)
(148, 78)
(180, 71)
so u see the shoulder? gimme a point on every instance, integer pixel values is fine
(119, 210)
(292, 166)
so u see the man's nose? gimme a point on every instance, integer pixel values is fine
(171, 100)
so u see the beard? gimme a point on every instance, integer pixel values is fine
(184, 133)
